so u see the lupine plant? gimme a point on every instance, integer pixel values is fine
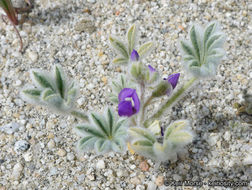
(132, 123)
(11, 14)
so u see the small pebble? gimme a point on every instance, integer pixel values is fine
(135, 181)
(27, 156)
(159, 180)
(17, 170)
(21, 146)
(33, 56)
(51, 144)
(10, 128)
(61, 152)
(100, 164)
(70, 156)
(144, 166)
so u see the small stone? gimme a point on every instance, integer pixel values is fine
(50, 136)
(212, 140)
(159, 180)
(144, 166)
(227, 135)
(21, 146)
(104, 80)
(151, 186)
(33, 56)
(248, 160)
(140, 187)
(10, 128)
(70, 156)
(17, 170)
(91, 1)
(135, 181)
(27, 156)
(51, 144)
(100, 164)
(119, 173)
(132, 166)
(18, 83)
(61, 152)
(91, 177)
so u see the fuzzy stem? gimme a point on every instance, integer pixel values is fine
(170, 102)
(79, 115)
(142, 86)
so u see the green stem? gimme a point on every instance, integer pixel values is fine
(142, 86)
(170, 102)
(79, 115)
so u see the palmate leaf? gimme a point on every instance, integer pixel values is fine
(125, 49)
(105, 131)
(178, 133)
(203, 52)
(53, 89)
(119, 46)
(176, 136)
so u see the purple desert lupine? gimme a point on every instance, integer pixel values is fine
(134, 56)
(129, 103)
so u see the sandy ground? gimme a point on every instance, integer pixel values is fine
(74, 34)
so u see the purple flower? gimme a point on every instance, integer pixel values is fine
(134, 56)
(151, 69)
(173, 79)
(129, 103)
(162, 131)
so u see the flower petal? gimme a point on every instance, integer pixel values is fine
(173, 79)
(125, 93)
(125, 109)
(134, 56)
(136, 102)
(151, 69)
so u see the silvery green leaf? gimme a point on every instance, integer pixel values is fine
(56, 90)
(86, 143)
(119, 46)
(120, 60)
(145, 49)
(155, 128)
(53, 100)
(33, 94)
(195, 41)
(41, 79)
(178, 132)
(72, 95)
(60, 80)
(102, 124)
(202, 54)
(47, 92)
(118, 145)
(144, 148)
(117, 85)
(131, 35)
(142, 133)
(107, 131)
(88, 130)
(101, 145)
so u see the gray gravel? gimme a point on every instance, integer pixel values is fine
(75, 35)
